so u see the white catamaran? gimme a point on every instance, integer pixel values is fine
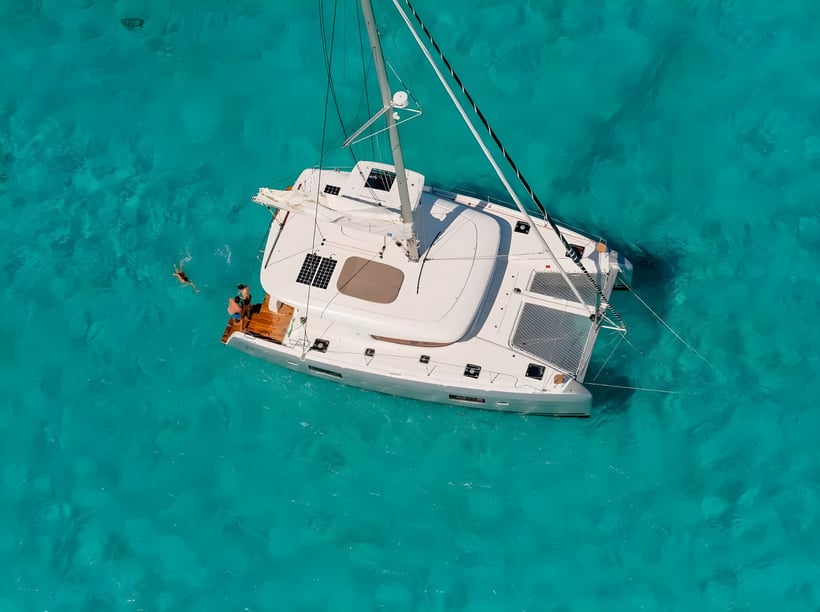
(376, 280)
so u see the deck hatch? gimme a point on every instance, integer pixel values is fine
(535, 371)
(380, 179)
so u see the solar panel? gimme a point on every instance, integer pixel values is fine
(332, 189)
(308, 270)
(325, 272)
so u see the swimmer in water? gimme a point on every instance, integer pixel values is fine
(180, 275)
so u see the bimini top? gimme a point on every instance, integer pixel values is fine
(362, 279)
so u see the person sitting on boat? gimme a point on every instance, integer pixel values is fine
(180, 275)
(235, 309)
(244, 295)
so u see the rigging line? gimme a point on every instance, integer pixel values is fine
(642, 354)
(328, 61)
(424, 261)
(668, 392)
(570, 252)
(328, 57)
(404, 87)
(364, 78)
(669, 327)
(487, 154)
(608, 358)
(480, 115)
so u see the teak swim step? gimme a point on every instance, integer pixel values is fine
(263, 323)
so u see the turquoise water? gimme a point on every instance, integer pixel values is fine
(144, 466)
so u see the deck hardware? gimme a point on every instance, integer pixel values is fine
(320, 345)
(472, 370)
(522, 227)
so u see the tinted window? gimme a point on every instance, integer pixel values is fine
(380, 179)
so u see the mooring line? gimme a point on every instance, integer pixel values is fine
(610, 357)
(672, 331)
(632, 388)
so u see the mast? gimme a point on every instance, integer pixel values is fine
(411, 243)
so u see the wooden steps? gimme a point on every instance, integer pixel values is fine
(230, 328)
(263, 323)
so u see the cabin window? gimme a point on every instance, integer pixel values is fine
(420, 343)
(468, 399)
(370, 280)
(324, 371)
(380, 179)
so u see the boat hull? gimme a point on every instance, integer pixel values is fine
(517, 337)
(574, 401)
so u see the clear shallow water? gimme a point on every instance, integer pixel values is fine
(145, 466)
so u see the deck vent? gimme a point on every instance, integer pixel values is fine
(472, 371)
(369, 352)
(332, 189)
(316, 271)
(320, 345)
(535, 371)
(522, 227)
(424, 359)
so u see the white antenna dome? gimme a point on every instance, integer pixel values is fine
(400, 99)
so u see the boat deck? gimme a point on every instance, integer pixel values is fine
(263, 323)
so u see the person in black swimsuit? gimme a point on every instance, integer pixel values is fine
(180, 275)
(244, 301)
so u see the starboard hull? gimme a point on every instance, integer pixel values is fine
(573, 401)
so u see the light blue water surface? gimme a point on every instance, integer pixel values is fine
(144, 466)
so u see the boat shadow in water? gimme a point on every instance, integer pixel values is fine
(612, 401)
(656, 266)
(651, 269)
